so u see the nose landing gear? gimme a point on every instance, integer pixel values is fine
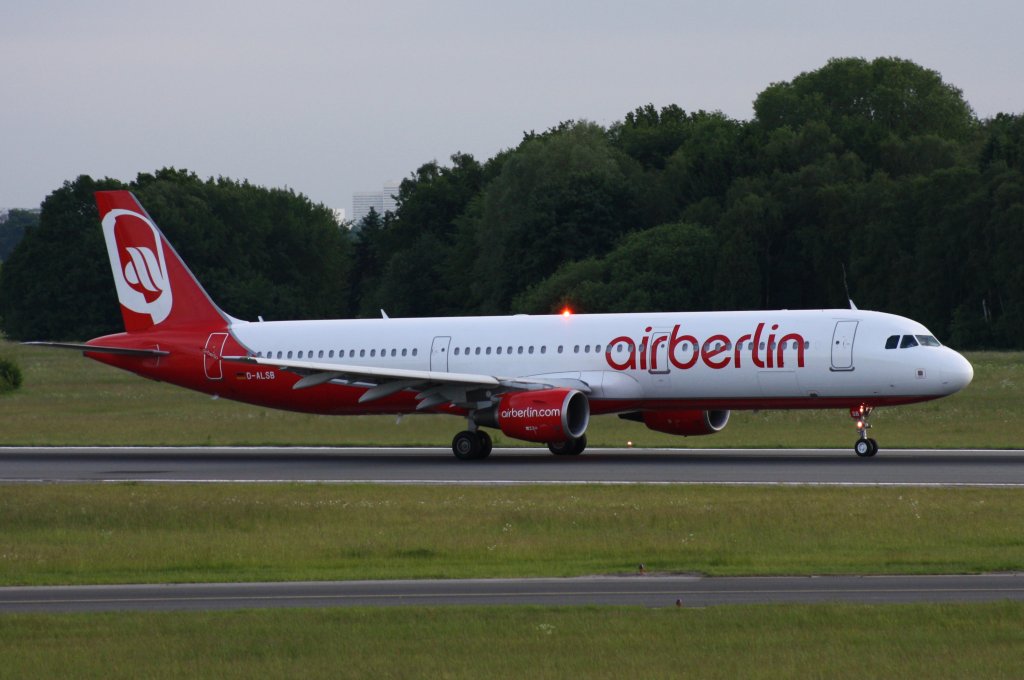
(865, 446)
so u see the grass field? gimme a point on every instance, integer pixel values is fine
(833, 641)
(69, 400)
(57, 534)
(152, 533)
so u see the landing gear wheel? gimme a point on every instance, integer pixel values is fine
(485, 443)
(468, 446)
(573, 447)
(865, 448)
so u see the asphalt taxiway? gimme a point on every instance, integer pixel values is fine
(511, 466)
(645, 591)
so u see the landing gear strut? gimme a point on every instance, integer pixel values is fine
(469, 445)
(865, 446)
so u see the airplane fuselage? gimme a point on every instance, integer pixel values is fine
(704, 360)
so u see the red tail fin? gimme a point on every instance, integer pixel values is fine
(155, 288)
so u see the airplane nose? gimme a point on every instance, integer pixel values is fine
(957, 372)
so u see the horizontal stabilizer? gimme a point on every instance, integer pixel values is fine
(100, 349)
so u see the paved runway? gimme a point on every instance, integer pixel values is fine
(646, 591)
(437, 465)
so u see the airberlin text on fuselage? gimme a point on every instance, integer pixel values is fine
(683, 351)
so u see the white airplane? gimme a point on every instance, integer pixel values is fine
(535, 378)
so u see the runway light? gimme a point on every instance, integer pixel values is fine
(629, 444)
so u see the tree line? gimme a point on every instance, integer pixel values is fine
(868, 179)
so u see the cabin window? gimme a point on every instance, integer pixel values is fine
(520, 349)
(394, 352)
(414, 350)
(587, 349)
(543, 349)
(289, 354)
(908, 341)
(362, 353)
(509, 350)
(559, 349)
(576, 349)
(456, 352)
(497, 350)
(476, 350)
(530, 350)
(488, 352)
(405, 350)
(597, 349)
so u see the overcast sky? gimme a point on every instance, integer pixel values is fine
(330, 97)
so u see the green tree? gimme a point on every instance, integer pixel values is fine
(559, 197)
(13, 229)
(57, 285)
(865, 102)
(666, 268)
(257, 251)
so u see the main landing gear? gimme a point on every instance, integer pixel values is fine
(865, 446)
(474, 445)
(573, 447)
(477, 444)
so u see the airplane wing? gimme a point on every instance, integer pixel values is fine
(434, 387)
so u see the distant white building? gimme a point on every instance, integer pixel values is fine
(339, 215)
(381, 201)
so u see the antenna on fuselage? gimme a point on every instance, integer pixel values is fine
(847, 288)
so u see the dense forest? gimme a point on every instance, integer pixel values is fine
(872, 177)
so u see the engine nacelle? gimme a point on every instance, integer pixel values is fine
(545, 416)
(686, 423)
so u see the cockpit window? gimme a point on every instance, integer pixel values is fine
(908, 341)
(892, 342)
(928, 340)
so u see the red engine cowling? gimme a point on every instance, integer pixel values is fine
(546, 416)
(686, 423)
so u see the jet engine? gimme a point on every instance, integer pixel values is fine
(686, 423)
(545, 416)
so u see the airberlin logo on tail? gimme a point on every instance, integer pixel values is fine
(137, 258)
